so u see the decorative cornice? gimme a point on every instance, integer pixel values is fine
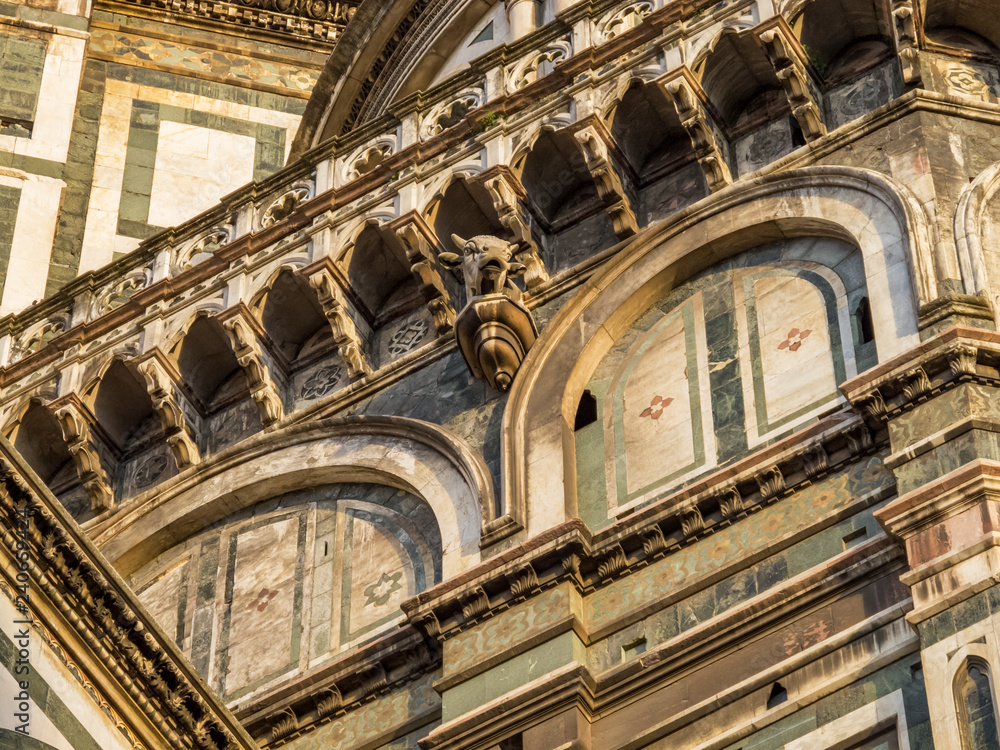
(322, 20)
(325, 694)
(958, 355)
(570, 552)
(70, 573)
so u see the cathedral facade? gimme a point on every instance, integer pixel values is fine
(500, 374)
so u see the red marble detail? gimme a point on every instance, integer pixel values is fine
(794, 339)
(656, 407)
(263, 599)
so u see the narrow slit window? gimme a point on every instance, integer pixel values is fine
(863, 318)
(586, 412)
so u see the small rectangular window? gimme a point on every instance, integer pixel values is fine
(855, 538)
(633, 648)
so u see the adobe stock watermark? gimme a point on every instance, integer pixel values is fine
(22, 625)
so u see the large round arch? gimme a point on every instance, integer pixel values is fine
(864, 208)
(418, 457)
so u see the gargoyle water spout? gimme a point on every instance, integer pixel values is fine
(494, 330)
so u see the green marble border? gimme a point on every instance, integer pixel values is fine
(79, 168)
(47, 700)
(10, 201)
(686, 311)
(296, 635)
(764, 425)
(22, 65)
(409, 546)
(140, 156)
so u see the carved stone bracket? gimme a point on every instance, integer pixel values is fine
(350, 345)
(959, 355)
(76, 432)
(610, 190)
(508, 196)
(791, 67)
(419, 241)
(689, 100)
(248, 353)
(905, 33)
(163, 394)
(494, 330)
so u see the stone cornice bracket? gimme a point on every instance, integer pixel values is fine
(419, 242)
(163, 394)
(350, 345)
(689, 101)
(250, 357)
(790, 64)
(76, 432)
(342, 687)
(610, 189)
(905, 32)
(508, 196)
(959, 354)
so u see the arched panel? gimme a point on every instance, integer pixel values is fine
(272, 591)
(869, 212)
(736, 357)
(424, 460)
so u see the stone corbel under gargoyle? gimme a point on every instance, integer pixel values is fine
(494, 329)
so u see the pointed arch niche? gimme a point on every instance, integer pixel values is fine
(854, 215)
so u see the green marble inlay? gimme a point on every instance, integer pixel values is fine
(957, 618)
(46, 699)
(10, 200)
(140, 156)
(764, 425)
(546, 657)
(21, 63)
(79, 175)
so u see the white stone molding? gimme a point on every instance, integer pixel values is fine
(879, 715)
(424, 459)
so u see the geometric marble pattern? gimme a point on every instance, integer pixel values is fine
(740, 355)
(284, 586)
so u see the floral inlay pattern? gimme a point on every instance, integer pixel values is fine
(263, 599)
(656, 407)
(794, 339)
(380, 591)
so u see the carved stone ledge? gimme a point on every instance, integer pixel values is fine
(958, 355)
(69, 573)
(317, 20)
(570, 553)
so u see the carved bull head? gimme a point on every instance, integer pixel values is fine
(486, 265)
